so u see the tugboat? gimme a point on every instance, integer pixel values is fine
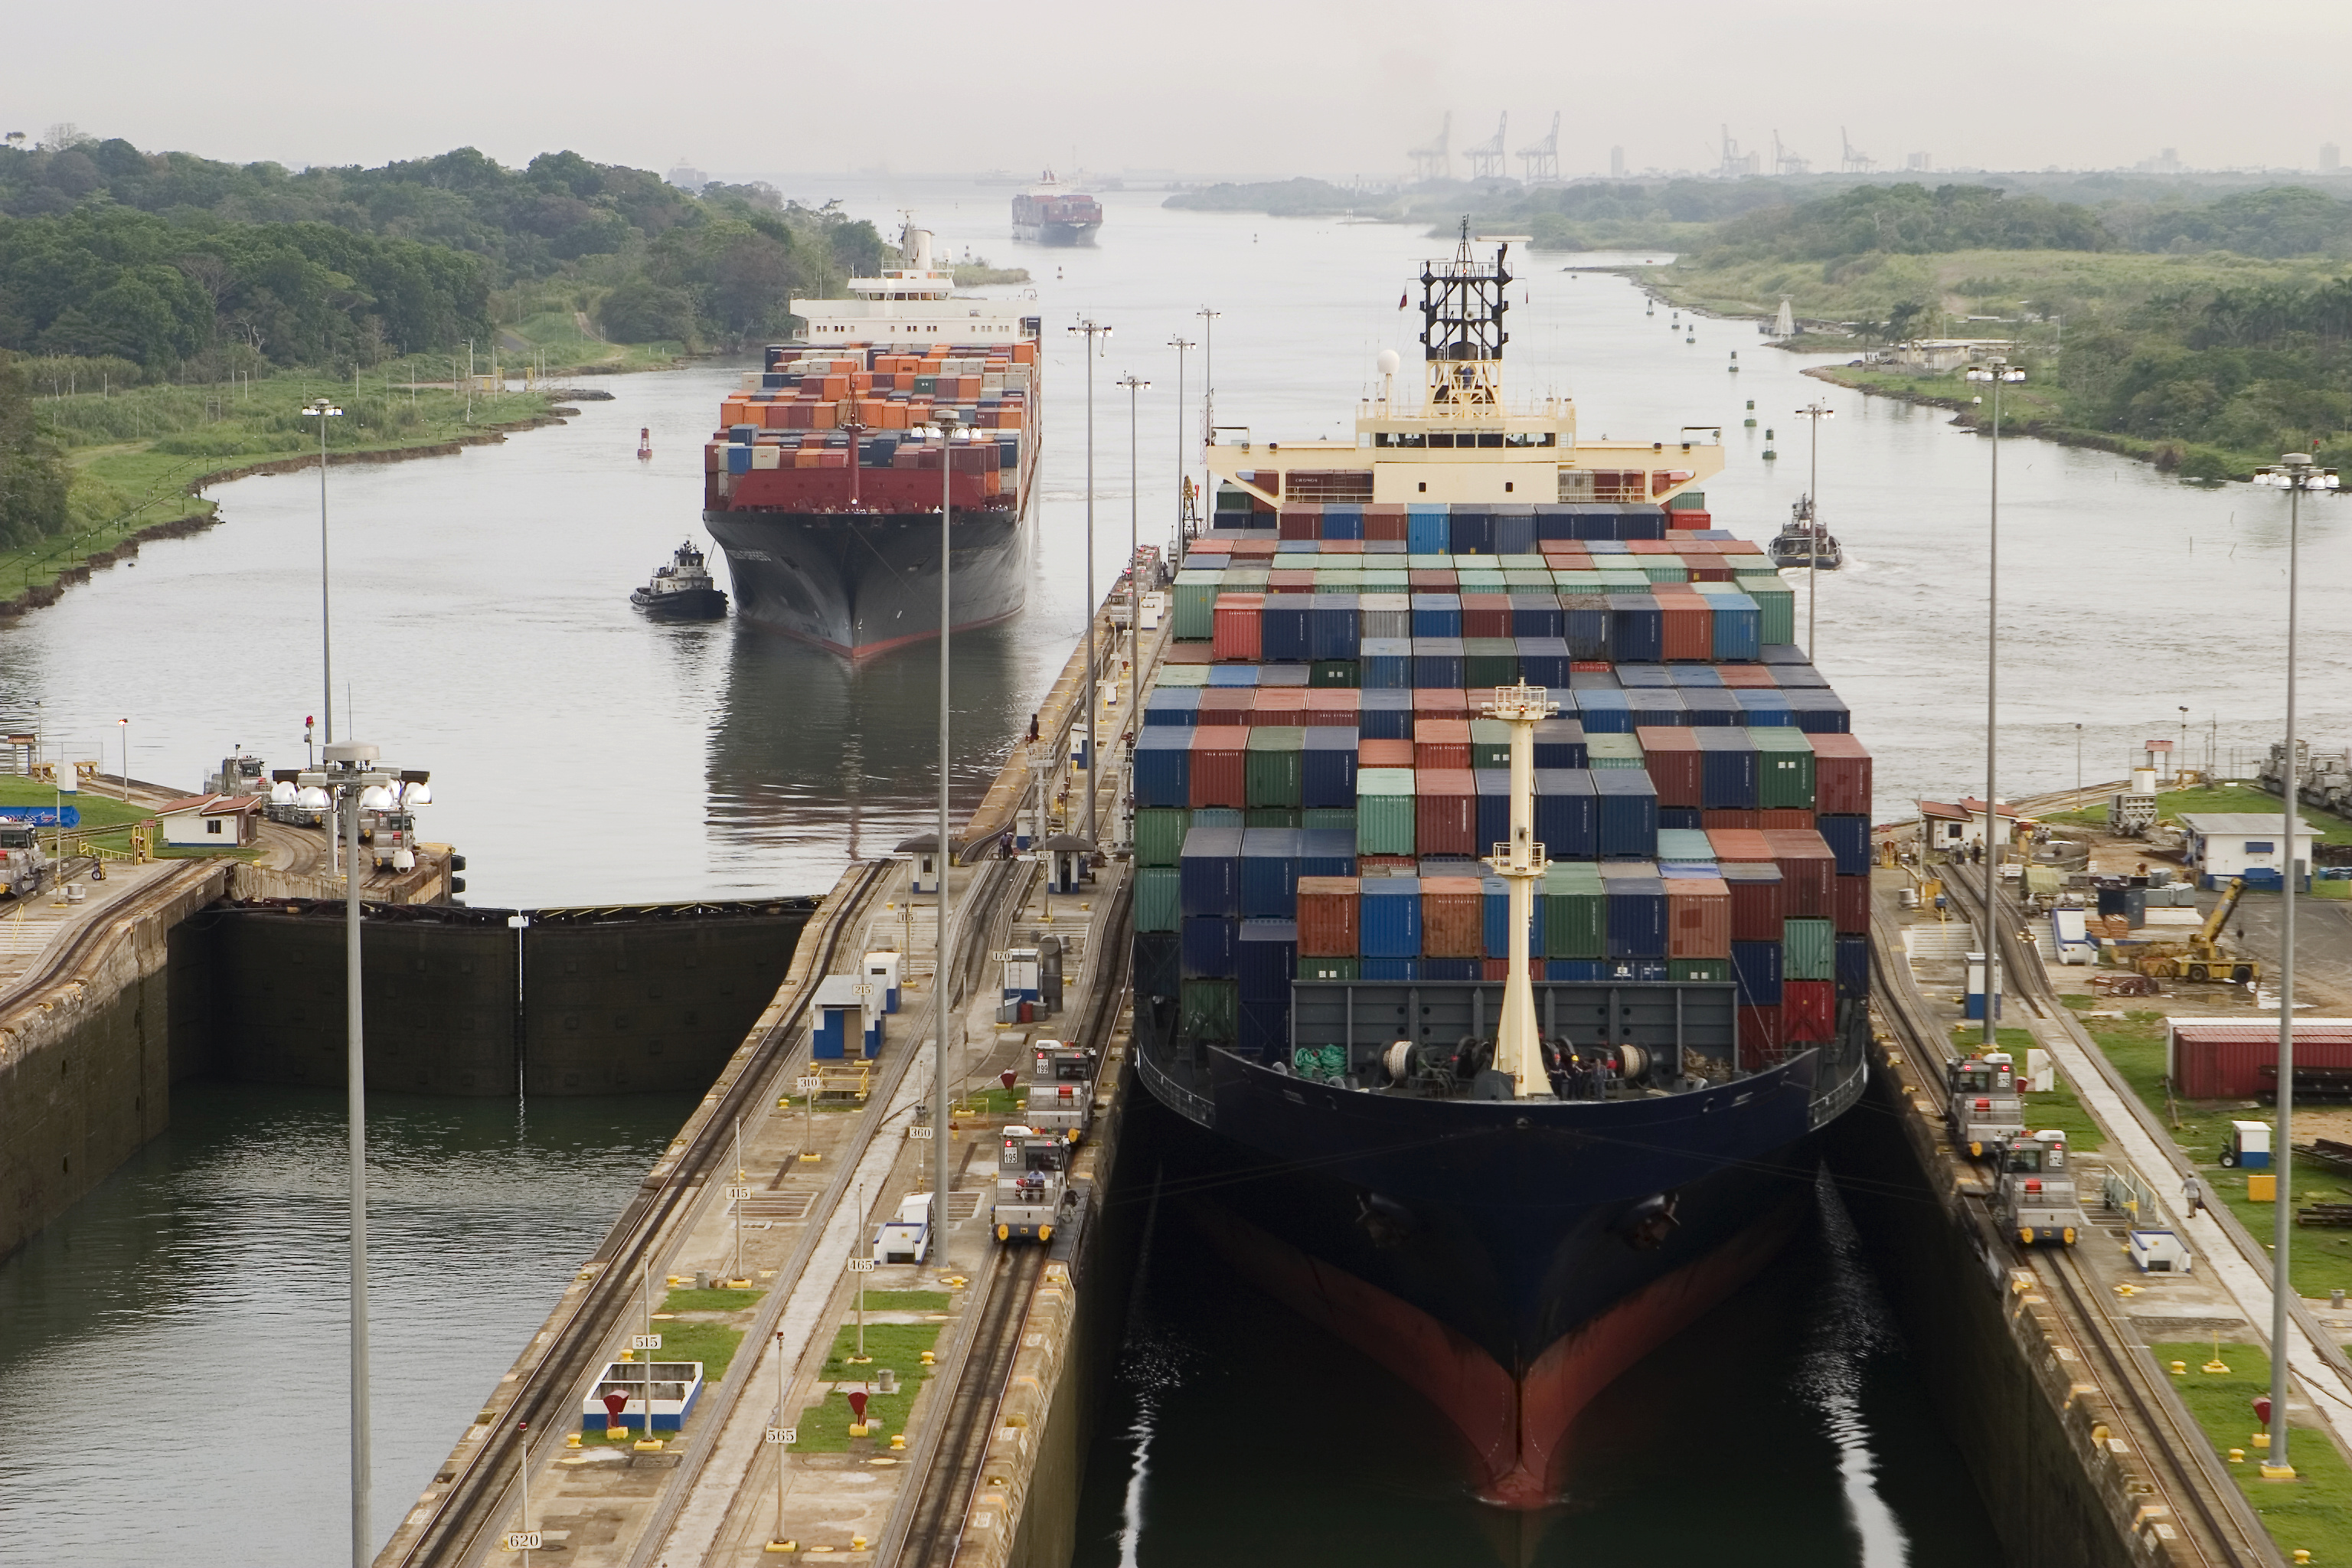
(1805, 542)
(681, 591)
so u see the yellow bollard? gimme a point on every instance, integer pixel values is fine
(782, 1546)
(898, 1442)
(2237, 1456)
(2180, 1368)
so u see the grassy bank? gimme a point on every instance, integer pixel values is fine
(2227, 797)
(2310, 1513)
(137, 457)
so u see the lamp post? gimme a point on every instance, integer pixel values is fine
(2181, 756)
(2001, 373)
(1179, 344)
(124, 724)
(2078, 767)
(2294, 473)
(1092, 332)
(1134, 540)
(1815, 411)
(322, 410)
(1208, 373)
(946, 419)
(351, 768)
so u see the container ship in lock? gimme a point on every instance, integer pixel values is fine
(822, 485)
(1502, 1087)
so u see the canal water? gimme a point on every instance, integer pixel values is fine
(187, 1318)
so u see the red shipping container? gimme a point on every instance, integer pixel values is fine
(1234, 627)
(1648, 547)
(1379, 525)
(1689, 626)
(1751, 677)
(1327, 916)
(1841, 775)
(1430, 579)
(1187, 653)
(1375, 865)
(1279, 705)
(1220, 762)
(1785, 816)
(1590, 666)
(1289, 579)
(1342, 547)
(1445, 819)
(1297, 521)
(1757, 907)
(1692, 521)
(1807, 1011)
(1225, 705)
(1713, 821)
(1737, 843)
(1850, 906)
(1808, 871)
(2214, 1058)
(1759, 1037)
(1497, 971)
(1453, 917)
(1442, 743)
(1438, 702)
(1340, 706)
(1486, 614)
(1254, 548)
(1383, 753)
(1708, 571)
(1672, 755)
(1698, 918)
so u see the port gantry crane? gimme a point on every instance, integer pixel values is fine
(1541, 163)
(1854, 160)
(1486, 158)
(1432, 160)
(1785, 161)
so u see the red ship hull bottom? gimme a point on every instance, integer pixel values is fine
(1515, 1427)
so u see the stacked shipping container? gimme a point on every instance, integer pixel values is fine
(1314, 785)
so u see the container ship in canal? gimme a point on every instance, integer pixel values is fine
(1502, 892)
(823, 484)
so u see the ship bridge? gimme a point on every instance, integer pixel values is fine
(914, 303)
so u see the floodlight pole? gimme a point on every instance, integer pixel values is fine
(323, 410)
(2000, 372)
(941, 978)
(1092, 331)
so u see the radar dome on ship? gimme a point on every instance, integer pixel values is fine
(1390, 362)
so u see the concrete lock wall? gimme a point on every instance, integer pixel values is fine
(619, 1001)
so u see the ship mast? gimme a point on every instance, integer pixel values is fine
(1519, 1046)
(1462, 336)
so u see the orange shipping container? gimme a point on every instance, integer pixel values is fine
(1453, 918)
(1698, 918)
(1441, 743)
(825, 416)
(1383, 753)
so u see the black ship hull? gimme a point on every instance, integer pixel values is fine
(1505, 1260)
(861, 583)
(693, 605)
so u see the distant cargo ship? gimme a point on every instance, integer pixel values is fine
(823, 484)
(1050, 213)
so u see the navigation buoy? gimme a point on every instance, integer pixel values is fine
(645, 444)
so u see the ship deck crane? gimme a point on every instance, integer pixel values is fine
(1485, 159)
(1431, 160)
(1540, 164)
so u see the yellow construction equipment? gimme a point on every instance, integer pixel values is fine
(2203, 957)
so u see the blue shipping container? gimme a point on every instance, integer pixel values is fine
(1515, 530)
(1628, 812)
(1437, 615)
(1496, 906)
(1266, 957)
(1438, 664)
(1425, 531)
(1637, 629)
(1584, 621)
(1536, 615)
(1711, 707)
(1163, 766)
(1285, 636)
(1567, 822)
(1849, 840)
(1388, 918)
(1212, 864)
(1385, 664)
(1172, 707)
(1270, 872)
(1494, 786)
(1637, 917)
(1332, 632)
(1209, 947)
(1853, 966)
(1386, 714)
(1389, 968)
(1820, 712)
(1470, 531)
(1543, 660)
(1738, 628)
(1604, 713)
(1559, 744)
(1728, 769)
(1329, 777)
(1327, 852)
(1756, 970)
(1766, 709)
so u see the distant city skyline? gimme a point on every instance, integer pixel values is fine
(2096, 87)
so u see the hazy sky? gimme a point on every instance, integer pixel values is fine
(1208, 87)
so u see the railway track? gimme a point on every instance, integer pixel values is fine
(97, 929)
(465, 1517)
(2223, 1530)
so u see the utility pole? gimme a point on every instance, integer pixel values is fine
(2000, 372)
(1092, 331)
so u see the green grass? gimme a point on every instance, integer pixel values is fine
(198, 851)
(995, 1101)
(98, 811)
(2313, 1511)
(712, 1344)
(2171, 803)
(825, 1427)
(907, 1300)
(564, 348)
(714, 1300)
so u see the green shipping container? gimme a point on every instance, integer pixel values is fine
(1698, 970)
(1776, 605)
(1483, 581)
(1208, 1009)
(1384, 811)
(1612, 751)
(1270, 817)
(1808, 950)
(1490, 661)
(1510, 564)
(1275, 771)
(1160, 833)
(1527, 578)
(1575, 910)
(1328, 969)
(1181, 675)
(1332, 672)
(1195, 605)
(1685, 844)
(1623, 582)
(1338, 818)
(1784, 768)
(1665, 569)
(1490, 742)
(1159, 899)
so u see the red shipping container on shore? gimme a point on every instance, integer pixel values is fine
(1333, 706)
(1486, 614)
(1441, 743)
(1672, 755)
(1807, 1011)
(1717, 821)
(1698, 918)
(1841, 775)
(1219, 763)
(1850, 906)
(1784, 816)
(1234, 627)
(1807, 871)
(1383, 753)
(1759, 1037)
(1225, 705)
(2235, 1058)
(1279, 705)
(1445, 822)
(1327, 916)
(1756, 901)
(1453, 917)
